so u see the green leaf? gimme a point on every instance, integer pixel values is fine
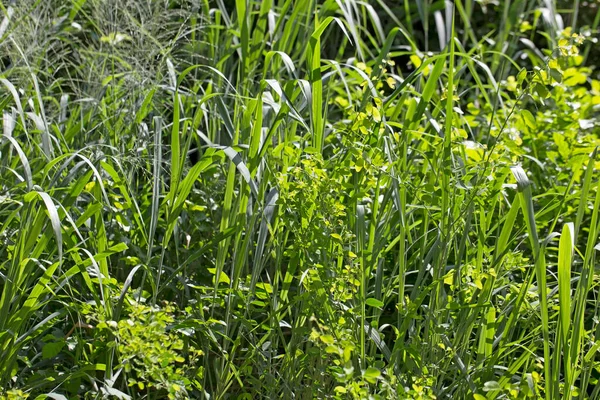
(529, 119)
(491, 385)
(371, 374)
(573, 77)
(565, 256)
(223, 278)
(52, 349)
(374, 303)
(541, 90)
(521, 76)
(327, 339)
(556, 75)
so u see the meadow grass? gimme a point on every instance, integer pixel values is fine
(299, 199)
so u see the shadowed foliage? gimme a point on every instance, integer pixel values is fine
(299, 199)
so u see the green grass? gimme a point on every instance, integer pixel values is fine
(388, 199)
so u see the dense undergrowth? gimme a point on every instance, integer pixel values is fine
(299, 199)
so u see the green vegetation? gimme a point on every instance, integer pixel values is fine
(299, 199)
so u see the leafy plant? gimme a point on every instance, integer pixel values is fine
(333, 199)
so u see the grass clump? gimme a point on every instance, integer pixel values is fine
(277, 199)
